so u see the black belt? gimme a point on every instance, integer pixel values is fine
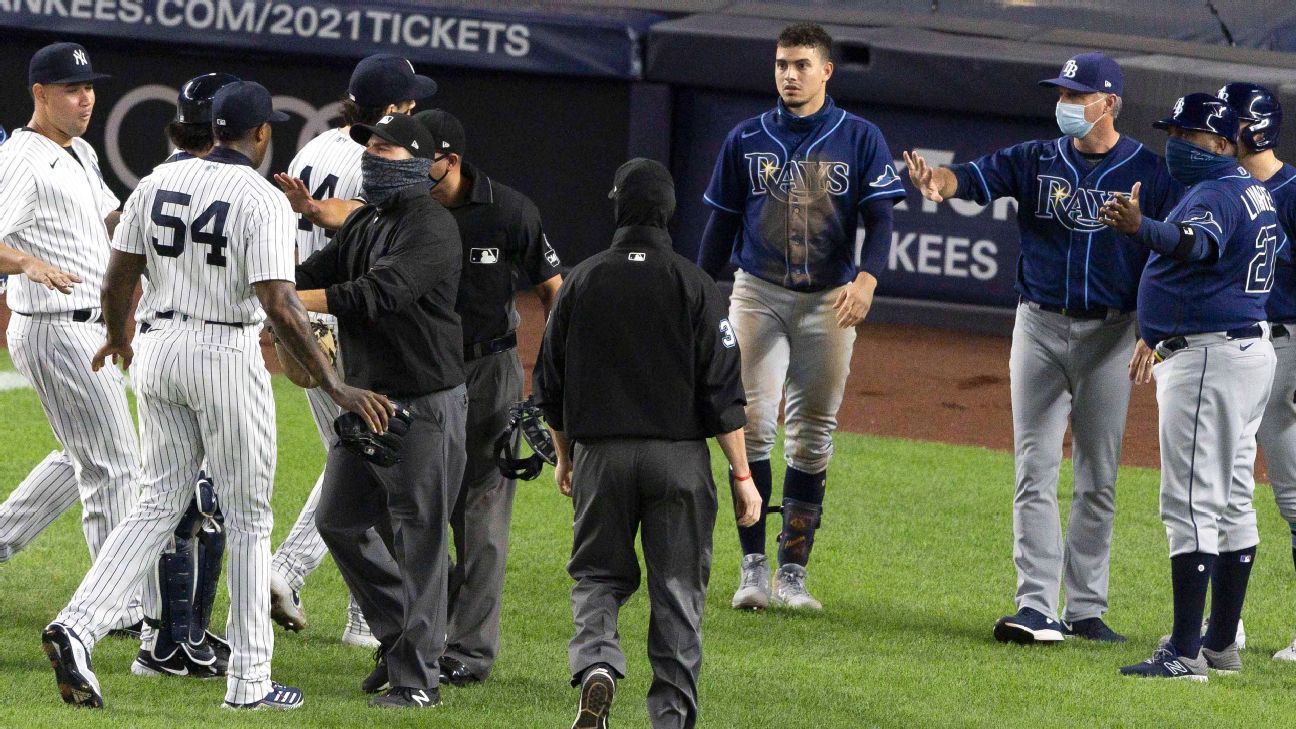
(1174, 344)
(1093, 312)
(184, 317)
(494, 346)
(1279, 330)
(80, 315)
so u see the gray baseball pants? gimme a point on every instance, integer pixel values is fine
(1277, 433)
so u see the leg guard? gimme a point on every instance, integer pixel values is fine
(176, 573)
(211, 549)
(800, 519)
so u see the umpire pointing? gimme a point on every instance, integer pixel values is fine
(638, 368)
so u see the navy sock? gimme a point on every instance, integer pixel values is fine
(1190, 575)
(1293, 533)
(802, 486)
(1228, 591)
(752, 538)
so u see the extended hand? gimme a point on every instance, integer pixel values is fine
(854, 301)
(1122, 212)
(50, 277)
(298, 194)
(923, 176)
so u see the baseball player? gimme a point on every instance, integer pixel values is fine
(216, 241)
(788, 191)
(1201, 310)
(1259, 124)
(55, 224)
(1072, 341)
(329, 167)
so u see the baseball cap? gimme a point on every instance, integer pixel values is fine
(193, 106)
(243, 105)
(62, 63)
(383, 79)
(1089, 73)
(401, 130)
(1203, 113)
(446, 129)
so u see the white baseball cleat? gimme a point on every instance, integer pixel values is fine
(754, 588)
(790, 590)
(357, 633)
(285, 604)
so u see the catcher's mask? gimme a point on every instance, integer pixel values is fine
(527, 420)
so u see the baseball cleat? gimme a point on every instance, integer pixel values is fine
(280, 697)
(407, 698)
(1226, 661)
(70, 660)
(1287, 654)
(1167, 663)
(285, 605)
(377, 679)
(754, 586)
(357, 633)
(790, 590)
(1092, 629)
(598, 688)
(1028, 626)
(176, 664)
(455, 673)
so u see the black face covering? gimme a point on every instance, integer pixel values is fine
(644, 193)
(381, 179)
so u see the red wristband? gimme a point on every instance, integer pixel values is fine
(743, 478)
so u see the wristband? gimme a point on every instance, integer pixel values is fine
(743, 478)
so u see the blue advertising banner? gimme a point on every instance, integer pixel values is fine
(955, 251)
(586, 43)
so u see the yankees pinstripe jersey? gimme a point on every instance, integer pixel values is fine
(198, 266)
(330, 166)
(799, 183)
(54, 204)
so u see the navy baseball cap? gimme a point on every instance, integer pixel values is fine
(383, 79)
(399, 129)
(243, 105)
(1202, 113)
(1089, 73)
(193, 106)
(62, 63)
(446, 129)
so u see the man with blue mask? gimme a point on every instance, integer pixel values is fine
(1074, 335)
(1202, 312)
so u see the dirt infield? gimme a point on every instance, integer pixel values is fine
(916, 382)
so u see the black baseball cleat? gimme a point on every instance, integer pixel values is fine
(1092, 629)
(455, 673)
(1028, 626)
(402, 697)
(597, 691)
(147, 664)
(377, 679)
(131, 631)
(77, 682)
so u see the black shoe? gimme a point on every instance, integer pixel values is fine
(130, 631)
(220, 647)
(455, 673)
(377, 680)
(402, 697)
(77, 682)
(1093, 629)
(1028, 626)
(597, 690)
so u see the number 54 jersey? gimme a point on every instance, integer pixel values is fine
(1228, 288)
(210, 228)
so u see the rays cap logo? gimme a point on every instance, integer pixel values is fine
(1089, 73)
(401, 130)
(62, 63)
(383, 79)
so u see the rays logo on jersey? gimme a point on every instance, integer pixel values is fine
(798, 181)
(887, 177)
(1075, 208)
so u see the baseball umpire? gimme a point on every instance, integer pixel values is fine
(1201, 307)
(390, 276)
(1073, 338)
(638, 367)
(788, 191)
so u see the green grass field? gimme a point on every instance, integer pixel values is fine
(913, 565)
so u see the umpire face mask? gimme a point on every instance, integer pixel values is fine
(644, 193)
(382, 178)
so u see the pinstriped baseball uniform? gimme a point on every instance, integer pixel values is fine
(55, 201)
(330, 166)
(210, 228)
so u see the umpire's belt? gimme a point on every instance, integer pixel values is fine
(185, 317)
(1167, 347)
(1093, 313)
(1281, 330)
(494, 346)
(80, 315)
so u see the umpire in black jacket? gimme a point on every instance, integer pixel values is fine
(638, 368)
(390, 276)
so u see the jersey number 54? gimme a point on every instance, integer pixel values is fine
(214, 216)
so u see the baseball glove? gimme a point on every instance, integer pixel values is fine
(380, 449)
(293, 369)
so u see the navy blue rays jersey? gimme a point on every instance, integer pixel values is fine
(798, 183)
(1282, 299)
(1229, 287)
(1068, 258)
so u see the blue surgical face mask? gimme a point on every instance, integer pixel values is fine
(1190, 164)
(1071, 119)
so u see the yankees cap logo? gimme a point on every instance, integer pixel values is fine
(80, 57)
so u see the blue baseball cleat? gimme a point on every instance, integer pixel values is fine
(1028, 626)
(281, 697)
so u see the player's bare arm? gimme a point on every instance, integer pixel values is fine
(1122, 212)
(315, 300)
(111, 221)
(13, 262)
(279, 299)
(547, 290)
(935, 183)
(746, 499)
(124, 271)
(328, 214)
(855, 300)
